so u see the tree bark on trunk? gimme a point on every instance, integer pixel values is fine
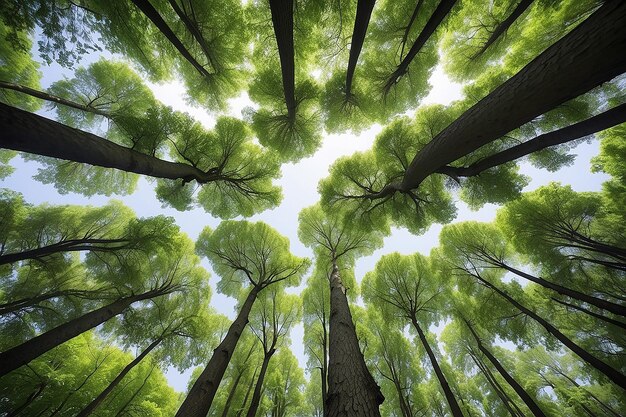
(27, 132)
(583, 59)
(201, 394)
(256, 395)
(530, 403)
(454, 405)
(578, 130)
(231, 394)
(91, 407)
(37, 346)
(503, 26)
(591, 313)
(614, 375)
(282, 20)
(361, 22)
(352, 391)
(431, 26)
(154, 16)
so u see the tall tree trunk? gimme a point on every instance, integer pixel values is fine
(27, 132)
(431, 26)
(52, 98)
(37, 346)
(503, 26)
(192, 27)
(91, 407)
(583, 59)
(248, 391)
(530, 403)
(350, 384)
(31, 397)
(200, 396)
(256, 396)
(610, 372)
(407, 29)
(282, 20)
(578, 130)
(70, 245)
(154, 16)
(454, 405)
(324, 370)
(361, 22)
(591, 313)
(231, 394)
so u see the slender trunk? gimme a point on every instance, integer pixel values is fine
(408, 27)
(91, 407)
(361, 22)
(32, 397)
(70, 245)
(610, 372)
(52, 98)
(324, 370)
(591, 313)
(503, 26)
(256, 396)
(454, 405)
(231, 394)
(37, 346)
(201, 395)
(506, 401)
(154, 16)
(404, 407)
(282, 20)
(248, 391)
(530, 403)
(192, 27)
(137, 391)
(578, 130)
(350, 384)
(431, 26)
(27, 132)
(586, 57)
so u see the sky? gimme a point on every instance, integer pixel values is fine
(299, 184)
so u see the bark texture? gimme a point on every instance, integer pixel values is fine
(200, 397)
(503, 26)
(282, 20)
(352, 391)
(583, 59)
(361, 22)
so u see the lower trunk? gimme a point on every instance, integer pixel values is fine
(530, 403)
(350, 384)
(282, 20)
(361, 22)
(231, 394)
(27, 132)
(200, 397)
(610, 372)
(256, 396)
(37, 346)
(32, 397)
(503, 26)
(592, 314)
(91, 407)
(454, 405)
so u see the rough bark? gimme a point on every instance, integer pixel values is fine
(282, 20)
(91, 407)
(583, 59)
(591, 313)
(503, 26)
(52, 98)
(151, 13)
(530, 403)
(431, 26)
(613, 374)
(27, 132)
(595, 124)
(256, 395)
(352, 391)
(361, 22)
(200, 397)
(37, 346)
(454, 405)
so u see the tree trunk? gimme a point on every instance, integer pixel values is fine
(231, 394)
(132, 397)
(154, 16)
(591, 313)
(361, 22)
(201, 395)
(583, 59)
(352, 391)
(454, 405)
(37, 346)
(408, 27)
(431, 26)
(530, 403)
(91, 407)
(282, 20)
(503, 26)
(578, 130)
(256, 396)
(245, 398)
(52, 98)
(192, 27)
(27, 132)
(324, 370)
(610, 372)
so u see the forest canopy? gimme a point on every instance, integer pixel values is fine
(159, 261)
